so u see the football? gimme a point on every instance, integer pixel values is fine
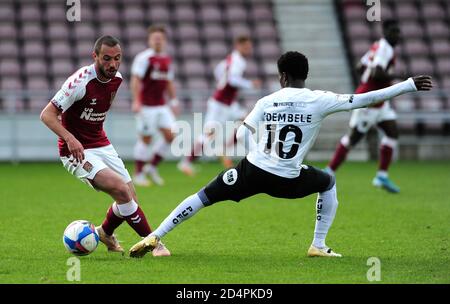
(80, 238)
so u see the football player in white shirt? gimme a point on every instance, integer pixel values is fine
(290, 119)
(376, 72)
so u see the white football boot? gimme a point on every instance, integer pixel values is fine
(313, 251)
(141, 180)
(152, 171)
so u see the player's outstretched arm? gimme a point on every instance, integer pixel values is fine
(349, 102)
(416, 83)
(49, 116)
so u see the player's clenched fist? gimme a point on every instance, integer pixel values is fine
(423, 82)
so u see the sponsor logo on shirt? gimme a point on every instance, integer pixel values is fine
(89, 115)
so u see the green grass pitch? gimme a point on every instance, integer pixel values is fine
(259, 240)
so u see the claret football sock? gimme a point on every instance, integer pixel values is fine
(340, 154)
(135, 217)
(112, 220)
(326, 210)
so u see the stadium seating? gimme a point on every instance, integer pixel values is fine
(424, 49)
(39, 48)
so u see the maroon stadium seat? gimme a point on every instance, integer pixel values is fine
(210, 14)
(36, 68)
(437, 29)
(190, 50)
(85, 32)
(135, 32)
(61, 67)
(60, 49)
(8, 49)
(359, 30)
(235, 13)
(158, 14)
(187, 31)
(133, 14)
(197, 84)
(421, 66)
(216, 49)
(440, 47)
(108, 13)
(57, 31)
(9, 67)
(194, 68)
(30, 12)
(411, 29)
(407, 10)
(33, 49)
(185, 13)
(433, 10)
(261, 12)
(214, 32)
(7, 31)
(266, 31)
(7, 12)
(56, 13)
(443, 65)
(32, 31)
(11, 82)
(416, 47)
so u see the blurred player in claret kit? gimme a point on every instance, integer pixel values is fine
(84, 149)
(375, 69)
(222, 106)
(151, 79)
(290, 120)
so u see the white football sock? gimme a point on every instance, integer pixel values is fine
(326, 210)
(182, 212)
(161, 147)
(127, 208)
(142, 151)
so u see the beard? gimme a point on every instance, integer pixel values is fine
(110, 73)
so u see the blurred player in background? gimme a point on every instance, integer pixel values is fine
(375, 69)
(151, 79)
(84, 148)
(290, 120)
(222, 106)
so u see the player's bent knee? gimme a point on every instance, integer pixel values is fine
(121, 192)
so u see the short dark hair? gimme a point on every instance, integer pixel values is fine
(242, 39)
(106, 39)
(294, 64)
(157, 28)
(389, 23)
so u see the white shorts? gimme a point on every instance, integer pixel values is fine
(150, 119)
(218, 112)
(96, 159)
(363, 119)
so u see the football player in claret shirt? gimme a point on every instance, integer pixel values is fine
(290, 120)
(376, 73)
(85, 150)
(152, 77)
(222, 106)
